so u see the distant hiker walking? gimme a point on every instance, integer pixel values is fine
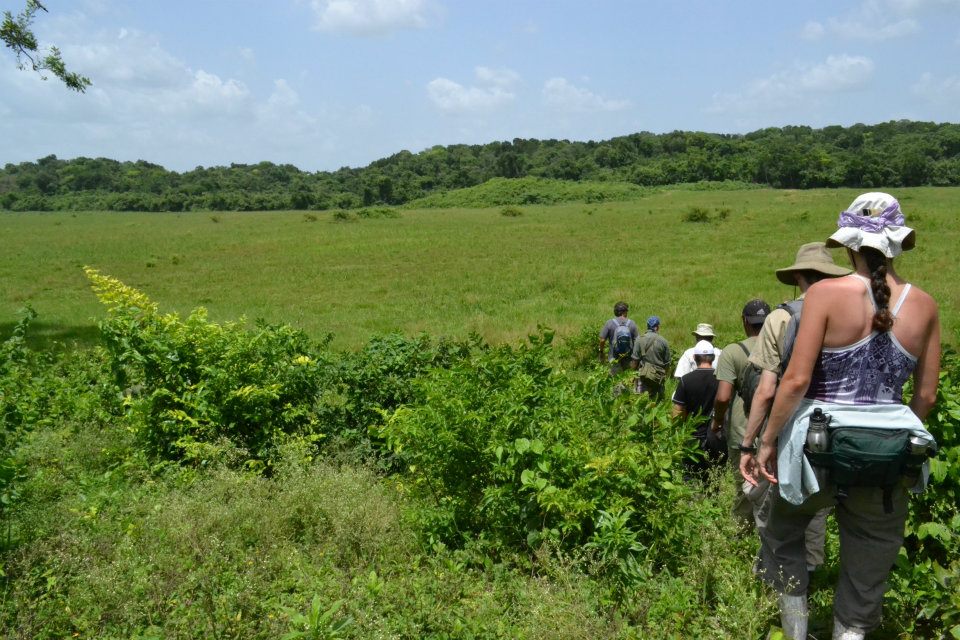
(694, 398)
(737, 379)
(686, 363)
(619, 334)
(651, 358)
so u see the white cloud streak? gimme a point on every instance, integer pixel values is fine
(561, 95)
(938, 91)
(837, 74)
(145, 98)
(493, 90)
(878, 20)
(370, 17)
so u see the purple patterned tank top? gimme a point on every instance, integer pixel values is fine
(870, 371)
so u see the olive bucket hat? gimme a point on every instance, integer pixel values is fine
(812, 256)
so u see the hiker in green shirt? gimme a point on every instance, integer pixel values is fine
(651, 358)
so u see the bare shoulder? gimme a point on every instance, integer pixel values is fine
(922, 299)
(831, 288)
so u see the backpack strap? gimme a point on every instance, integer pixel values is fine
(746, 351)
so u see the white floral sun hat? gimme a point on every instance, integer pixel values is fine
(874, 220)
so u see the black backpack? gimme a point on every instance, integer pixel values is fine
(622, 340)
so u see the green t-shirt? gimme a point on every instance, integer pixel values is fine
(730, 369)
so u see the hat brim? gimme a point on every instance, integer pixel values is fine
(785, 275)
(755, 319)
(891, 244)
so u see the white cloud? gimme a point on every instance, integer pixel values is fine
(494, 91)
(560, 94)
(785, 89)
(370, 17)
(878, 20)
(452, 97)
(813, 31)
(838, 73)
(940, 91)
(498, 77)
(147, 102)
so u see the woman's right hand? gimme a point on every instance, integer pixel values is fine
(748, 468)
(767, 461)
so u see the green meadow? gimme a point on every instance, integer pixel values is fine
(687, 255)
(185, 477)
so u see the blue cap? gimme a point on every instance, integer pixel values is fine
(653, 321)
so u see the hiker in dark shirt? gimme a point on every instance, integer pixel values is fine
(694, 397)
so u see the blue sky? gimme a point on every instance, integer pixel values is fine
(322, 84)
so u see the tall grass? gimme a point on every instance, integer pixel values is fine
(455, 271)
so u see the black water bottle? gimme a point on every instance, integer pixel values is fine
(818, 441)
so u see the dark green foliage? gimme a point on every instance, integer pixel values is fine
(507, 448)
(521, 172)
(926, 581)
(380, 377)
(696, 214)
(511, 212)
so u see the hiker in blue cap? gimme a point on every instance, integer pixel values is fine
(651, 358)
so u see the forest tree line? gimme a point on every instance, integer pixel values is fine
(892, 154)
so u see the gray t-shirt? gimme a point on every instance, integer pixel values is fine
(610, 330)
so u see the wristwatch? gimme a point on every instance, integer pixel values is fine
(745, 449)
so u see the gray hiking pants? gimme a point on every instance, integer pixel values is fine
(814, 535)
(869, 542)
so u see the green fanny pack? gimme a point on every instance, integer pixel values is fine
(865, 457)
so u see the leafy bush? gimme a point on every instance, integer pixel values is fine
(506, 447)
(511, 212)
(380, 378)
(377, 212)
(202, 389)
(696, 214)
(498, 192)
(925, 599)
(38, 390)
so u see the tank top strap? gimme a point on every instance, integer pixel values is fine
(866, 283)
(903, 296)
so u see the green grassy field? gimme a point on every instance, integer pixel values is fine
(455, 271)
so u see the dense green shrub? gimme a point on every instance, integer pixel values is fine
(508, 448)
(380, 377)
(925, 599)
(42, 389)
(198, 389)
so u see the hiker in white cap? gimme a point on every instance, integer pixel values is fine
(861, 337)
(686, 364)
(693, 399)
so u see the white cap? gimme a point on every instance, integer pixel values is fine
(703, 348)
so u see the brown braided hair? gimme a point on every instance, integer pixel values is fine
(877, 263)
